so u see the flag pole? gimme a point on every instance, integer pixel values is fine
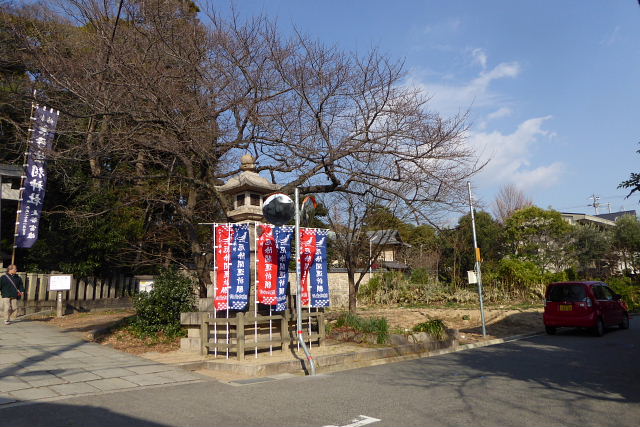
(215, 291)
(255, 291)
(228, 289)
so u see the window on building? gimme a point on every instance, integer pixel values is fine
(240, 200)
(255, 199)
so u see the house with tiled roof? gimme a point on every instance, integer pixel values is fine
(388, 244)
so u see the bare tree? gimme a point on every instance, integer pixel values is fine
(351, 218)
(159, 105)
(508, 200)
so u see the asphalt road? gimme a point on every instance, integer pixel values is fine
(571, 379)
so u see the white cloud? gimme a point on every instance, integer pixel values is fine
(451, 25)
(611, 38)
(449, 98)
(509, 156)
(479, 57)
(499, 113)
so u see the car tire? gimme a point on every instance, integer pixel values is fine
(598, 330)
(551, 330)
(625, 321)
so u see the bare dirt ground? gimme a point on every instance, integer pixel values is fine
(500, 322)
(120, 339)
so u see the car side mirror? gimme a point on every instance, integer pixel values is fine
(617, 297)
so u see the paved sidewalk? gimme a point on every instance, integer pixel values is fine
(41, 362)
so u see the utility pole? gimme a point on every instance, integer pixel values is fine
(478, 258)
(596, 202)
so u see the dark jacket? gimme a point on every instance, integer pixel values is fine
(6, 287)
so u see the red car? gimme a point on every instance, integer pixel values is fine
(590, 305)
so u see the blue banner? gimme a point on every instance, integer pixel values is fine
(240, 283)
(44, 126)
(283, 236)
(319, 274)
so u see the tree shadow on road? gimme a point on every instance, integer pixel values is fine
(55, 414)
(515, 324)
(562, 374)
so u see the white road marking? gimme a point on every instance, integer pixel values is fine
(362, 420)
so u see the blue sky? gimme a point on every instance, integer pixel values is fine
(552, 86)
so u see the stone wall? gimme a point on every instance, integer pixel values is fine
(338, 288)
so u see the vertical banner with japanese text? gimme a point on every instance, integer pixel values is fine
(319, 276)
(274, 254)
(267, 266)
(307, 257)
(44, 125)
(283, 235)
(233, 254)
(223, 235)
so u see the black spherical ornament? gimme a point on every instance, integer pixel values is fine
(278, 209)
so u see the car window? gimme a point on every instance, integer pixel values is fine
(559, 293)
(598, 291)
(608, 295)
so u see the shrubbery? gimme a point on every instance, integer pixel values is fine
(378, 326)
(629, 290)
(436, 328)
(159, 310)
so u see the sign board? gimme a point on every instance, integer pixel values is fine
(145, 285)
(60, 282)
(471, 275)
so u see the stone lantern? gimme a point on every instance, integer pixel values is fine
(248, 190)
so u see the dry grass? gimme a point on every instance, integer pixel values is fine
(119, 338)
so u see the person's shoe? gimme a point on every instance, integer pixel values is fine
(6, 322)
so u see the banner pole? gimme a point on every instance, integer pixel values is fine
(228, 289)
(215, 291)
(255, 291)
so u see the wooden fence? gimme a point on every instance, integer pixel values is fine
(86, 294)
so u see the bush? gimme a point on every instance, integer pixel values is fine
(630, 291)
(436, 328)
(519, 271)
(371, 325)
(420, 275)
(159, 310)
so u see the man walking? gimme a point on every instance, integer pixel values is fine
(10, 288)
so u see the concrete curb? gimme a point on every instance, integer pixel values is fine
(346, 361)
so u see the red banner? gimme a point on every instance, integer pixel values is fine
(267, 267)
(307, 255)
(224, 236)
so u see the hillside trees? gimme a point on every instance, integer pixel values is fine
(540, 236)
(627, 241)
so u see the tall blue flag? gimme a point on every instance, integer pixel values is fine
(240, 268)
(283, 236)
(44, 126)
(319, 275)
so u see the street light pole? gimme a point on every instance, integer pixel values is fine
(299, 330)
(477, 266)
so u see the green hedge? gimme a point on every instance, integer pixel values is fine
(159, 310)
